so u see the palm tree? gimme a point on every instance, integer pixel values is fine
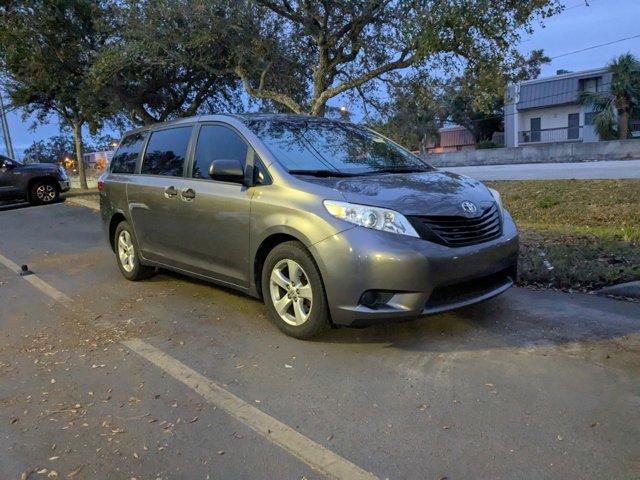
(613, 108)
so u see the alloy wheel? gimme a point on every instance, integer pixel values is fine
(46, 193)
(291, 292)
(126, 252)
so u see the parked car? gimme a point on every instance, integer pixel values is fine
(328, 222)
(37, 183)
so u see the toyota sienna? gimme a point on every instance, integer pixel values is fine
(328, 222)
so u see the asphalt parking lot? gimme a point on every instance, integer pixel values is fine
(175, 378)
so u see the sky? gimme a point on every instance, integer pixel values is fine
(578, 26)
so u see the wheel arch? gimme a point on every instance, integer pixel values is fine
(116, 218)
(271, 239)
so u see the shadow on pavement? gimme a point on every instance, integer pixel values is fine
(521, 318)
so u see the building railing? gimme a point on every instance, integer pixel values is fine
(550, 135)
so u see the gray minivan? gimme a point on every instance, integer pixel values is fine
(328, 222)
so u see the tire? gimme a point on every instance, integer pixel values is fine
(129, 264)
(44, 192)
(304, 309)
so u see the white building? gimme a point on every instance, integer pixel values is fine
(546, 110)
(93, 158)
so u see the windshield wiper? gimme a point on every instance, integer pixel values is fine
(321, 173)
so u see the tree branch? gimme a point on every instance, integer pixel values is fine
(267, 94)
(322, 99)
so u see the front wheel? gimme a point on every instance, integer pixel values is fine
(44, 192)
(126, 248)
(293, 291)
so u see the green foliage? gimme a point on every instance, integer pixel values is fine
(47, 49)
(56, 148)
(52, 150)
(485, 144)
(169, 58)
(413, 118)
(339, 47)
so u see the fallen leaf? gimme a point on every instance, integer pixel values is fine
(73, 473)
(194, 419)
(286, 365)
(220, 452)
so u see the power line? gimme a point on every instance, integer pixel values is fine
(595, 46)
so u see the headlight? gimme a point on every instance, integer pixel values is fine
(498, 199)
(63, 172)
(371, 217)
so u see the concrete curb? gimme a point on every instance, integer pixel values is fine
(83, 202)
(629, 289)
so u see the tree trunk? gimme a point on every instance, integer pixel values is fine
(77, 135)
(623, 124)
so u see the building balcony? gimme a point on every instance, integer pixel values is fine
(551, 135)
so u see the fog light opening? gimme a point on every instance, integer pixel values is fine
(375, 299)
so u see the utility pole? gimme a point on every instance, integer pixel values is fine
(5, 130)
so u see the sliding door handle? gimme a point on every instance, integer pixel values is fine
(170, 192)
(188, 194)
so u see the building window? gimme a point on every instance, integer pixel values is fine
(591, 84)
(589, 118)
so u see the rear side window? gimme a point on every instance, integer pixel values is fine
(125, 158)
(166, 152)
(217, 142)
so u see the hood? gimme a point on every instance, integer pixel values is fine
(38, 167)
(424, 193)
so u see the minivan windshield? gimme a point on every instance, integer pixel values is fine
(326, 147)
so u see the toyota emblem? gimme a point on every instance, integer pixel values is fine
(469, 207)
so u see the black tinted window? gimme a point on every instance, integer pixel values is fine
(166, 152)
(217, 142)
(125, 158)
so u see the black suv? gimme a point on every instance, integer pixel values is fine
(38, 183)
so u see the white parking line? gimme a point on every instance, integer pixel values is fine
(304, 449)
(40, 284)
(313, 454)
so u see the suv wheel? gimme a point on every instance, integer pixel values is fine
(293, 291)
(126, 247)
(43, 192)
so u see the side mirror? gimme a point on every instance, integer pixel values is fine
(7, 165)
(227, 170)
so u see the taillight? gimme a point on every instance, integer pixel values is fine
(100, 184)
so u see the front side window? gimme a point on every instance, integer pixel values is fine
(217, 142)
(166, 152)
(125, 158)
(323, 145)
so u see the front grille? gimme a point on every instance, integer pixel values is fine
(458, 231)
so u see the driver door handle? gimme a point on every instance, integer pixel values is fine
(170, 192)
(188, 194)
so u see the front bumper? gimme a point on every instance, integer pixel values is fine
(422, 277)
(65, 185)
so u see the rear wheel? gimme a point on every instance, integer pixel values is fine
(44, 192)
(126, 247)
(293, 291)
